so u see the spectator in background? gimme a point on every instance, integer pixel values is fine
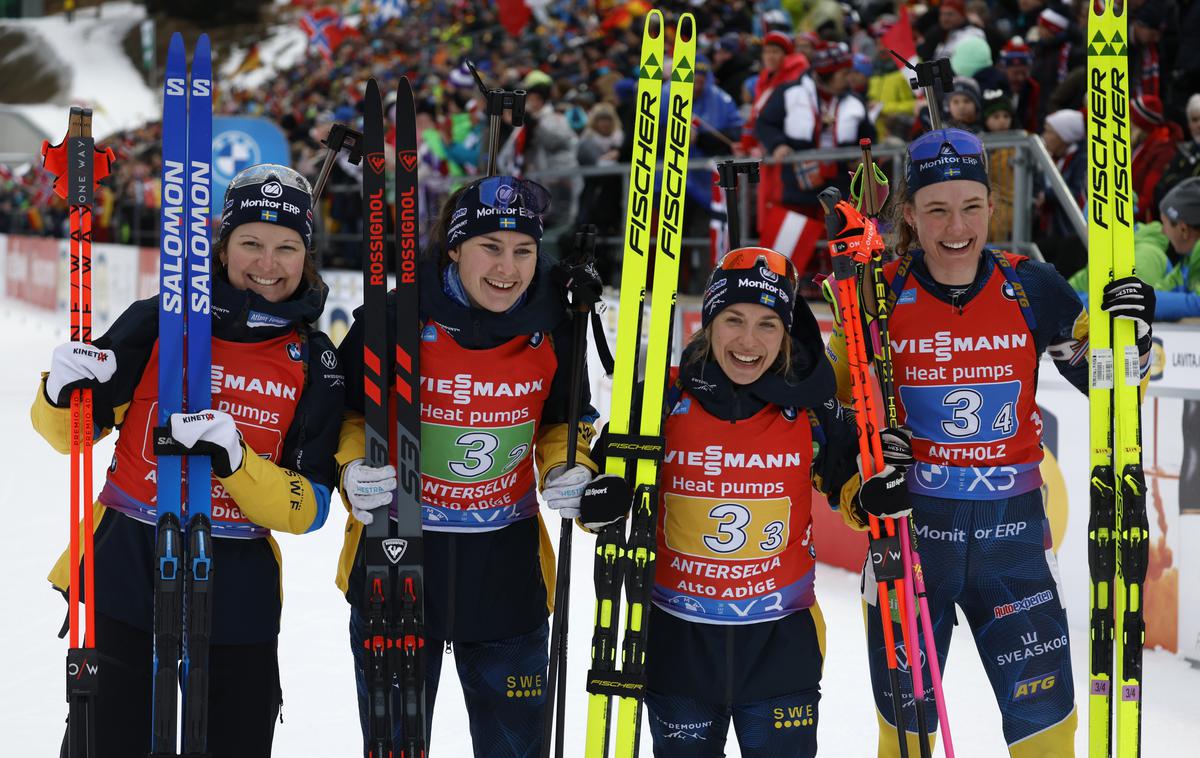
(545, 142)
(889, 90)
(858, 78)
(1166, 255)
(998, 117)
(1026, 18)
(964, 105)
(781, 65)
(601, 202)
(1064, 134)
(731, 67)
(1154, 147)
(1016, 61)
(952, 28)
(716, 126)
(1058, 49)
(1145, 59)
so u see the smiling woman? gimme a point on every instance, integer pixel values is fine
(495, 383)
(968, 326)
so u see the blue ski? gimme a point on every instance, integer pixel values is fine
(182, 596)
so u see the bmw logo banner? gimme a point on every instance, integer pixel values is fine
(240, 142)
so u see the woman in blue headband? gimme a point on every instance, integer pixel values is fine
(968, 328)
(496, 345)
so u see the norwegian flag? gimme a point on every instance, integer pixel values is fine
(718, 224)
(326, 30)
(791, 233)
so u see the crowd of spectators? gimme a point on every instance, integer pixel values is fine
(772, 78)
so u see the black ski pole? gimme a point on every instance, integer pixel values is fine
(556, 681)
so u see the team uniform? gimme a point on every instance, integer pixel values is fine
(494, 404)
(280, 381)
(965, 364)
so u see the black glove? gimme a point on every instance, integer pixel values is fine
(605, 501)
(581, 281)
(897, 447)
(885, 494)
(1132, 298)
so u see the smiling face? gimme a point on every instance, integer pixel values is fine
(746, 339)
(951, 221)
(265, 258)
(496, 268)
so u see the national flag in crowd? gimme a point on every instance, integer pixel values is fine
(384, 11)
(514, 15)
(718, 224)
(791, 233)
(326, 30)
(251, 62)
(899, 37)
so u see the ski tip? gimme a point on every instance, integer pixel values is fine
(685, 29)
(372, 87)
(655, 30)
(202, 45)
(176, 45)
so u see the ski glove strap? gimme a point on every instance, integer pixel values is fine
(885, 494)
(211, 433)
(581, 281)
(605, 501)
(367, 488)
(77, 365)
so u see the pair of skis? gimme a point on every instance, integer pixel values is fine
(1118, 542)
(183, 560)
(78, 165)
(636, 451)
(392, 547)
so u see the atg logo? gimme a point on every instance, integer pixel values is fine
(506, 194)
(272, 189)
(768, 274)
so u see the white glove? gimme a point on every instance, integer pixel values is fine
(76, 365)
(564, 488)
(211, 433)
(367, 488)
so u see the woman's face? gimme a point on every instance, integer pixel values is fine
(951, 220)
(746, 340)
(265, 258)
(962, 109)
(496, 268)
(772, 57)
(1000, 121)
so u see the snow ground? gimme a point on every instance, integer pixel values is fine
(102, 77)
(319, 703)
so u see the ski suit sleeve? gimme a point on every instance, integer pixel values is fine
(1062, 323)
(835, 466)
(550, 445)
(131, 337)
(835, 351)
(293, 496)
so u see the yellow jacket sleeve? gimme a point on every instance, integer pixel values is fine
(54, 423)
(550, 448)
(275, 497)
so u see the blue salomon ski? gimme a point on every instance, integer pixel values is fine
(182, 598)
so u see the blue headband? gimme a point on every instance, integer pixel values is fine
(945, 155)
(498, 204)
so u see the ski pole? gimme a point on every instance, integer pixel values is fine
(871, 197)
(498, 100)
(885, 550)
(78, 165)
(556, 680)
